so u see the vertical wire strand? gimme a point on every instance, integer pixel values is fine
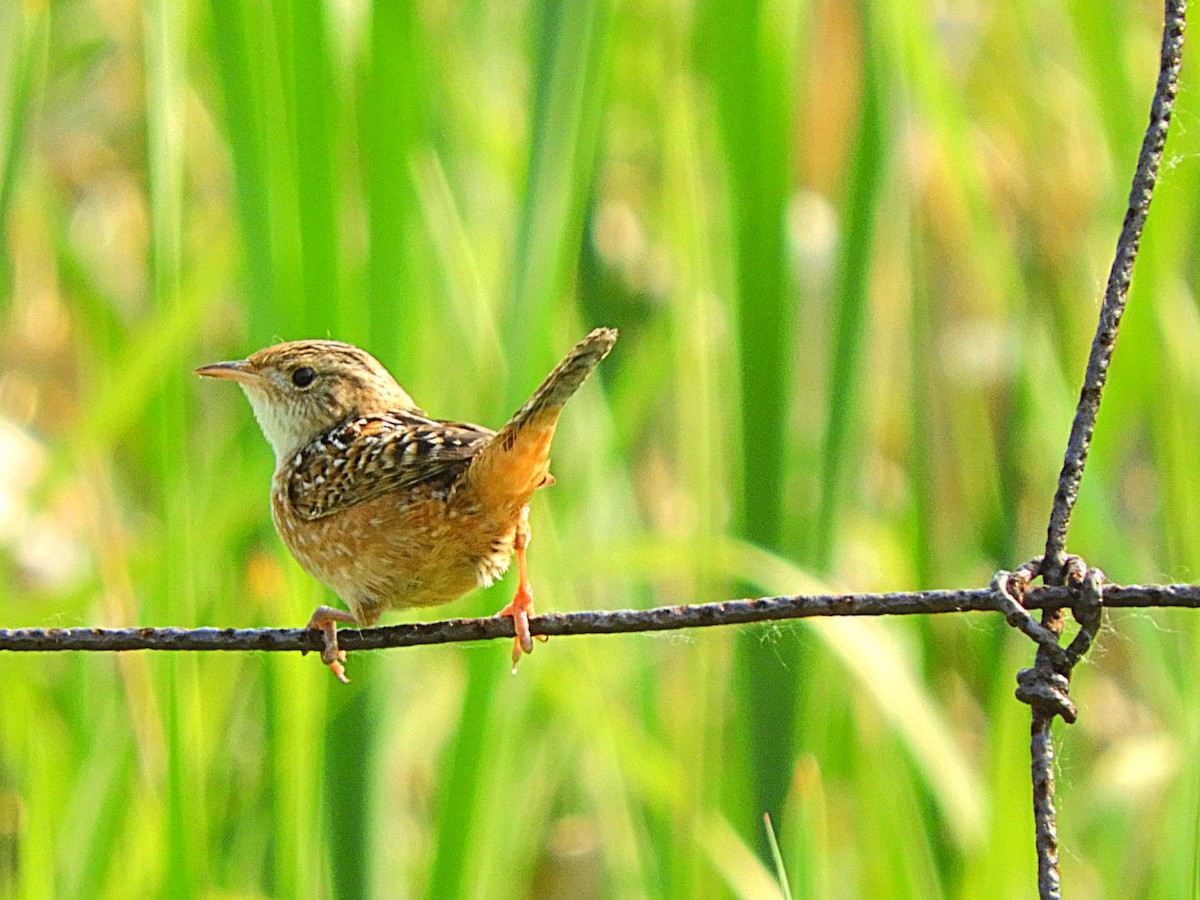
(1117, 290)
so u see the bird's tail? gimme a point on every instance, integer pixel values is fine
(566, 378)
(516, 462)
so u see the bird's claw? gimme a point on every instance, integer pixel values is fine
(520, 610)
(333, 655)
(324, 619)
(338, 669)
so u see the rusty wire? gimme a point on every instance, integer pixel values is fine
(1117, 289)
(665, 618)
(1045, 686)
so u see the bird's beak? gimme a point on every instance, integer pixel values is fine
(238, 370)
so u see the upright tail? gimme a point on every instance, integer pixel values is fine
(566, 378)
(516, 462)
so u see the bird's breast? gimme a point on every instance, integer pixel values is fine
(420, 546)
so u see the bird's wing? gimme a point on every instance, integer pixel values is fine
(373, 455)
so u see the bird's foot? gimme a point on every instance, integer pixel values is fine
(324, 619)
(521, 608)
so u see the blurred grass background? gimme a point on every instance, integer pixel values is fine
(855, 252)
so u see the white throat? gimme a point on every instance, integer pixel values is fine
(280, 425)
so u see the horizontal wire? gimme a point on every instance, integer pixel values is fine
(625, 621)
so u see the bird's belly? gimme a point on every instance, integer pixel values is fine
(387, 553)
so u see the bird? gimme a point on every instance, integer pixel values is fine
(387, 506)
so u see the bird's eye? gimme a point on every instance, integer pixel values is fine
(303, 376)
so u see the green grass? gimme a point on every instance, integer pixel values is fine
(855, 254)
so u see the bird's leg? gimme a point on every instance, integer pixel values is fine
(324, 619)
(521, 607)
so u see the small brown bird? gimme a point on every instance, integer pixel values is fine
(388, 507)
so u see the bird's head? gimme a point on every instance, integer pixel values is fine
(301, 389)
